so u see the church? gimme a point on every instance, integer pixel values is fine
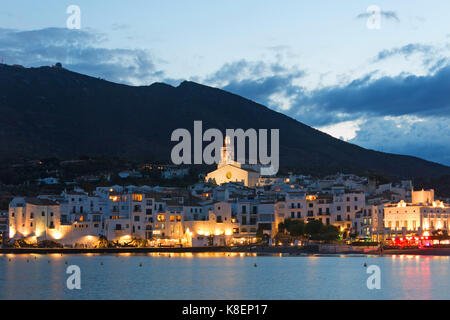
(229, 170)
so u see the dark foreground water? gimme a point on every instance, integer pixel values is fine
(220, 276)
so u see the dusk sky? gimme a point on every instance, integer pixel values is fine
(386, 89)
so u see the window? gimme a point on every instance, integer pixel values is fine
(244, 209)
(136, 218)
(178, 218)
(31, 215)
(292, 215)
(137, 197)
(299, 214)
(148, 212)
(43, 213)
(172, 218)
(348, 208)
(161, 218)
(219, 219)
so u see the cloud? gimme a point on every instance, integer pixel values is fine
(390, 15)
(80, 51)
(405, 51)
(426, 138)
(395, 96)
(263, 82)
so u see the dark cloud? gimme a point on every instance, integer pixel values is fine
(402, 95)
(257, 81)
(80, 51)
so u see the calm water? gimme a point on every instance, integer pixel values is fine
(219, 276)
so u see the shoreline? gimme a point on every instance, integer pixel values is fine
(258, 250)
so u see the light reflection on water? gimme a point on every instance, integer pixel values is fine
(222, 276)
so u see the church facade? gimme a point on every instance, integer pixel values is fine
(229, 170)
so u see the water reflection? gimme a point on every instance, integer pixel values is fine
(222, 276)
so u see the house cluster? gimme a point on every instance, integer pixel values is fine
(231, 213)
(234, 205)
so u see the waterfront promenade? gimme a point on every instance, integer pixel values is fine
(260, 250)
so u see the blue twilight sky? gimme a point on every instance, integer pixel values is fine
(317, 61)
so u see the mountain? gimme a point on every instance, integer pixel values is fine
(53, 112)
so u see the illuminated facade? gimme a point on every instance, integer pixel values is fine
(229, 170)
(338, 209)
(34, 219)
(417, 218)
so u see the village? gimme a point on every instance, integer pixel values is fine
(232, 205)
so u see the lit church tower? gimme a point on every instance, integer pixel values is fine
(229, 170)
(228, 154)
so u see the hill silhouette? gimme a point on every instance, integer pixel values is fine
(53, 112)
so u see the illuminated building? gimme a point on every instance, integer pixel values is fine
(229, 170)
(417, 218)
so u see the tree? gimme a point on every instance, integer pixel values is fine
(314, 227)
(296, 228)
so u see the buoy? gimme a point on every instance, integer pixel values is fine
(140, 264)
(28, 260)
(255, 265)
(101, 263)
(9, 259)
(365, 265)
(66, 262)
